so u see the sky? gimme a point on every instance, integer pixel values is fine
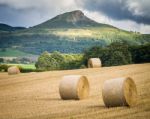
(131, 15)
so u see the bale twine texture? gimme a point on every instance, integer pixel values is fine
(74, 87)
(119, 92)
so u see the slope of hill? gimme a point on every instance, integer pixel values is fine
(36, 95)
(71, 32)
(74, 19)
(5, 27)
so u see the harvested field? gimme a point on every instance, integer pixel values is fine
(36, 95)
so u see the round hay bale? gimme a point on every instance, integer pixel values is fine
(74, 87)
(94, 63)
(119, 92)
(13, 70)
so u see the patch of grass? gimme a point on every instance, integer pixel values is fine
(24, 66)
(12, 53)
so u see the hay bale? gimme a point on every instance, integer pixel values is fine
(119, 92)
(13, 70)
(74, 87)
(94, 63)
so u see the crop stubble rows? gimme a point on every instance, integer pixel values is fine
(36, 95)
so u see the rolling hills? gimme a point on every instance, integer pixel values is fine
(7, 28)
(71, 32)
(36, 95)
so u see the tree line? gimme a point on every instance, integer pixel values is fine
(117, 53)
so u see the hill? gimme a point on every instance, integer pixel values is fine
(71, 32)
(5, 27)
(36, 95)
(74, 19)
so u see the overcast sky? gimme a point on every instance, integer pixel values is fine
(126, 14)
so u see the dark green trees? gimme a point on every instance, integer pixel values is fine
(114, 54)
(48, 61)
(140, 54)
(117, 53)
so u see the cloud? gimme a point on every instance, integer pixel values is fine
(24, 17)
(125, 14)
(128, 25)
(135, 10)
(38, 4)
(32, 12)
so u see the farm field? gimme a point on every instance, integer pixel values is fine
(36, 95)
(24, 66)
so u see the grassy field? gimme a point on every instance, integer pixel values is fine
(36, 95)
(24, 66)
(12, 53)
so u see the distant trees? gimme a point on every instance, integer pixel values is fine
(36, 43)
(40, 43)
(18, 60)
(3, 49)
(1, 60)
(140, 54)
(3, 67)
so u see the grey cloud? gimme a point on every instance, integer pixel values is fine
(135, 10)
(22, 17)
(32, 12)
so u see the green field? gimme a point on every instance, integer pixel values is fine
(10, 52)
(24, 66)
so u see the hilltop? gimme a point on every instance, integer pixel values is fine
(74, 19)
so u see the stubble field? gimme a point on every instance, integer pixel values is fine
(36, 95)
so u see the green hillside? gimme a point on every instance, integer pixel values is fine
(70, 32)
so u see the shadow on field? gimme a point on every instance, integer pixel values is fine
(49, 99)
(97, 107)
